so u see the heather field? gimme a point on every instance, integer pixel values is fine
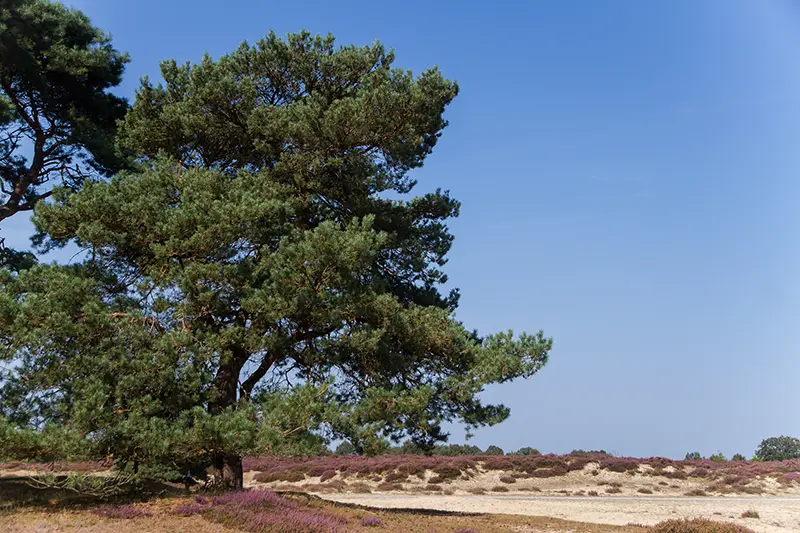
(577, 493)
(566, 475)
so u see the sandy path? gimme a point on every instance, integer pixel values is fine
(777, 515)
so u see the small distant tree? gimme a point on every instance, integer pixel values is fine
(410, 447)
(693, 456)
(346, 448)
(778, 449)
(494, 450)
(738, 457)
(525, 451)
(718, 457)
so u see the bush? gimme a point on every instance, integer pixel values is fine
(494, 450)
(696, 492)
(718, 457)
(371, 521)
(750, 514)
(644, 491)
(694, 456)
(698, 525)
(500, 488)
(327, 474)
(508, 479)
(778, 449)
(738, 457)
(613, 490)
(526, 451)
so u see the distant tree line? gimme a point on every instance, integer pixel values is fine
(772, 449)
(445, 450)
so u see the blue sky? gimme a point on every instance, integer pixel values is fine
(628, 172)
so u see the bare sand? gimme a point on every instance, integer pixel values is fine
(776, 515)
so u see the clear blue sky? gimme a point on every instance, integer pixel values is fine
(629, 179)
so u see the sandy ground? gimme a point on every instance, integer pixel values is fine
(777, 515)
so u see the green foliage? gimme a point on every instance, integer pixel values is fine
(718, 457)
(250, 288)
(57, 120)
(778, 449)
(48, 444)
(346, 448)
(738, 457)
(588, 452)
(526, 451)
(494, 450)
(693, 456)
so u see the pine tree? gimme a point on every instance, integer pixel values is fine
(264, 277)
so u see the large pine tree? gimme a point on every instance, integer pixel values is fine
(264, 273)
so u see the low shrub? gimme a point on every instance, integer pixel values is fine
(696, 492)
(614, 490)
(326, 475)
(390, 486)
(698, 525)
(508, 479)
(360, 488)
(395, 476)
(593, 493)
(644, 491)
(371, 521)
(124, 512)
(500, 488)
(750, 514)
(261, 511)
(189, 509)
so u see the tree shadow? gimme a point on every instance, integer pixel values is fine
(31, 492)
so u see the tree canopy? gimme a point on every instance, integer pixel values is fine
(263, 278)
(780, 448)
(57, 118)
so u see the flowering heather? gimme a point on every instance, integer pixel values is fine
(445, 469)
(371, 521)
(120, 511)
(261, 511)
(188, 509)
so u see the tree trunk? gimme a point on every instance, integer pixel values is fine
(228, 472)
(226, 468)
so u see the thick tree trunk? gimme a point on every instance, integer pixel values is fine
(226, 468)
(227, 471)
